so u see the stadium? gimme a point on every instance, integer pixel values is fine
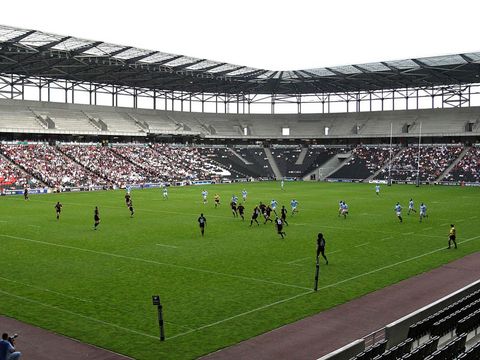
(189, 138)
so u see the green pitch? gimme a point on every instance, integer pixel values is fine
(236, 282)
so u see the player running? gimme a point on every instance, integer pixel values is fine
(344, 210)
(293, 205)
(279, 224)
(284, 215)
(423, 211)
(377, 189)
(321, 247)
(96, 218)
(241, 211)
(216, 199)
(273, 205)
(267, 213)
(165, 193)
(398, 211)
(58, 209)
(256, 212)
(130, 207)
(202, 222)
(233, 206)
(411, 207)
(340, 207)
(127, 198)
(244, 195)
(204, 196)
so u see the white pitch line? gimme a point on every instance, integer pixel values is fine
(387, 238)
(153, 262)
(77, 314)
(35, 226)
(473, 217)
(321, 288)
(293, 262)
(444, 224)
(169, 246)
(362, 244)
(428, 228)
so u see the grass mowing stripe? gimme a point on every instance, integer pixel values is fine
(242, 314)
(321, 288)
(153, 262)
(23, 298)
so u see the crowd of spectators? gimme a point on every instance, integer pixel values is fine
(12, 176)
(45, 163)
(434, 160)
(468, 168)
(364, 162)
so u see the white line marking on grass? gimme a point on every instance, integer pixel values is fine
(169, 246)
(242, 314)
(79, 315)
(44, 289)
(428, 228)
(387, 238)
(444, 224)
(472, 217)
(362, 244)
(293, 262)
(461, 220)
(153, 262)
(321, 288)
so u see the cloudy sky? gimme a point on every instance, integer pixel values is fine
(269, 34)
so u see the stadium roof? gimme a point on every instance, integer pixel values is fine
(34, 53)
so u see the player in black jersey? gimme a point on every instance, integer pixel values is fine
(266, 214)
(127, 199)
(96, 218)
(321, 247)
(130, 207)
(279, 224)
(256, 212)
(58, 209)
(241, 210)
(202, 222)
(233, 205)
(25, 193)
(284, 215)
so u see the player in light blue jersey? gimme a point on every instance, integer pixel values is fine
(273, 205)
(234, 199)
(398, 211)
(165, 192)
(411, 207)
(128, 188)
(294, 205)
(282, 183)
(244, 195)
(344, 210)
(377, 189)
(204, 196)
(423, 211)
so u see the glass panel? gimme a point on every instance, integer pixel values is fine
(132, 53)
(443, 60)
(346, 69)
(158, 57)
(39, 39)
(242, 71)
(474, 56)
(374, 67)
(225, 67)
(320, 72)
(402, 64)
(71, 44)
(202, 65)
(181, 61)
(7, 33)
(103, 49)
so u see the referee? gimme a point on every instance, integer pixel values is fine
(321, 247)
(452, 236)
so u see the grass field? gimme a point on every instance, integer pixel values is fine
(233, 284)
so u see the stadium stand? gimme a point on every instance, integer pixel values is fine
(467, 168)
(13, 176)
(365, 161)
(434, 160)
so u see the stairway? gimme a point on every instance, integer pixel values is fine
(301, 157)
(328, 168)
(453, 164)
(273, 164)
(238, 156)
(375, 174)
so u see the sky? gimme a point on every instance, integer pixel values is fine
(267, 34)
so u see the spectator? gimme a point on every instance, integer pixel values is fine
(7, 348)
